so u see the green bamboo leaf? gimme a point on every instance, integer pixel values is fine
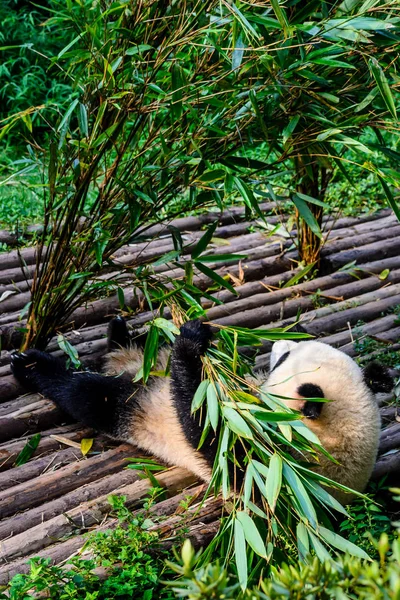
(236, 422)
(150, 352)
(247, 27)
(305, 432)
(204, 240)
(307, 216)
(176, 85)
(293, 280)
(392, 202)
(72, 43)
(67, 115)
(248, 196)
(83, 120)
(215, 277)
(121, 298)
(325, 497)
(337, 541)
(240, 554)
(212, 406)
(312, 200)
(274, 480)
(209, 176)
(251, 533)
(280, 14)
(269, 416)
(28, 450)
(301, 494)
(222, 257)
(237, 54)
(166, 258)
(69, 350)
(367, 100)
(248, 485)
(200, 395)
(303, 543)
(320, 550)
(290, 127)
(383, 86)
(53, 162)
(166, 325)
(334, 64)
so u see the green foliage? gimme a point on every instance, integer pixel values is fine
(258, 437)
(27, 77)
(128, 559)
(345, 578)
(366, 522)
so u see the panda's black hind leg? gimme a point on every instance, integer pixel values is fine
(88, 397)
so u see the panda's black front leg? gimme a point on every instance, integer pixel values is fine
(90, 398)
(186, 370)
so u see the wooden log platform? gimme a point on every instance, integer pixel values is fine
(48, 504)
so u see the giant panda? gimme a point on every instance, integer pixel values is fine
(157, 418)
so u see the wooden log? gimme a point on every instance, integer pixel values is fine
(61, 552)
(366, 310)
(361, 239)
(387, 465)
(35, 468)
(54, 484)
(390, 438)
(327, 284)
(389, 414)
(261, 315)
(343, 230)
(75, 432)
(9, 408)
(32, 418)
(230, 215)
(375, 251)
(11, 238)
(86, 515)
(254, 287)
(345, 339)
(84, 493)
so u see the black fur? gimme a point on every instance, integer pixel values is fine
(119, 337)
(311, 410)
(280, 361)
(93, 399)
(117, 334)
(186, 371)
(109, 404)
(378, 378)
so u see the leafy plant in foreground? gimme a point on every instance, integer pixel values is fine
(347, 577)
(129, 560)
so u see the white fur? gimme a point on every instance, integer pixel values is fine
(157, 428)
(349, 425)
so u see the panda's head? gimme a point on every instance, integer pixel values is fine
(313, 369)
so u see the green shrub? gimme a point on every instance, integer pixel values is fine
(342, 579)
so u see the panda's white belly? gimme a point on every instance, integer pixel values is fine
(159, 432)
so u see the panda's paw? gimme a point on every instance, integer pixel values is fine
(197, 332)
(28, 366)
(117, 334)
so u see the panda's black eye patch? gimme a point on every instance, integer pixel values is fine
(311, 410)
(280, 361)
(310, 390)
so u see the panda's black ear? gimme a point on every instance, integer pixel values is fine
(377, 377)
